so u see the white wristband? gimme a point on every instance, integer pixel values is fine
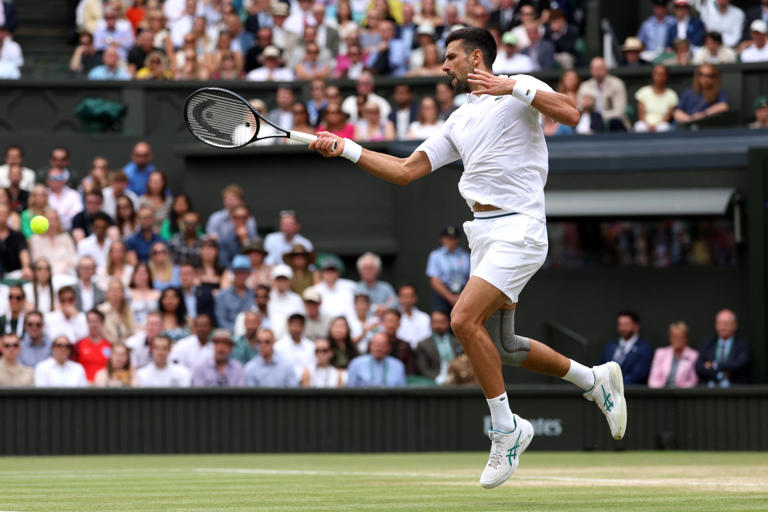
(524, 92)
(352, 150)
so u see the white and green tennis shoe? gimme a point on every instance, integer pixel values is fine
(506, 448)
(608, 395)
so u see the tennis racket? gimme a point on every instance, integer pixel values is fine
(224, 119)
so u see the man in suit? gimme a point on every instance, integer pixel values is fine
(685, 26)
(87, 294)
(197, 300)
(434, 354)
(405, 111)
(327, 36)
(724, 358)
(632, 353)
(504, 16)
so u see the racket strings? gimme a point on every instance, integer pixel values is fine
(221, 119)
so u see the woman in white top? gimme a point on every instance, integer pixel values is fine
(157, 197)
(39, 292)
(141, 293)
(372, 127)
(428, 121)
(56, 245)
(655, 104)
(322, 374)
(117, 266)
(118, 373)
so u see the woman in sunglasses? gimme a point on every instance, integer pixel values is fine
(323, 374)
(704, 99)
(13, 320)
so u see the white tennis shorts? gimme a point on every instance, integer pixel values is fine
(506, 249)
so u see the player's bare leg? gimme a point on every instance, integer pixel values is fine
(511, 434)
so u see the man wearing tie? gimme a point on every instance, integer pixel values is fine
(632, 353)
(724, 358)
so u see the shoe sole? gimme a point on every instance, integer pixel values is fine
(617, 383)
(524, 446)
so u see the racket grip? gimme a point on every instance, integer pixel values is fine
(306, 138)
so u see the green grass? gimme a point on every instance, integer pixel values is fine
(631, 481)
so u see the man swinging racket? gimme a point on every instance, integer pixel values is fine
(498, 137)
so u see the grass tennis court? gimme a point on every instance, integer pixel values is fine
(546, 481)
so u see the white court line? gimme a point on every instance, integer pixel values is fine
(445, 476)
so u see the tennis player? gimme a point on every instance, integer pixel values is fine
(497, 134)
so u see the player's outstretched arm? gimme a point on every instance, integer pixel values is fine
(399, 171)
(552, 104)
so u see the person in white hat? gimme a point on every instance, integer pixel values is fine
(271, 69)
(757, 51)
(282, 301)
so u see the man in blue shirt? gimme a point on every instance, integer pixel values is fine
(141, 243)
(269, 370)
(111, 69)
(448, 270)
(236, 298)
(381, 293)
(376, 369)
(139, 167)
(653, 31)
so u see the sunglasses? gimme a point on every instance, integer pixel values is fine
(159, 251)
(34, 324)
(62, 345)
(11, 345)
(322, 350)
(67, 301)
(16, 297)
(43, 268)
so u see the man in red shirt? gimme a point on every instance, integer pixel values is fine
(93, 351)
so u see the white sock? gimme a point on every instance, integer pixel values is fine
(580, 375)
(501, 415)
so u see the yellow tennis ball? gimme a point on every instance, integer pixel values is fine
(39, 224)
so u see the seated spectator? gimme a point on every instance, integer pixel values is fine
(317, 102)
(18, 198)
(156, 67)
(175, 320)
(12, 320)
(97, 244)
(185, 245)
(55, 244)
(590, 122)
(405, 111)
(118, 189)
(724, 18)
(364, 88)
(172, 224)
(119, 323)
(63, 199)
(565, 37)
(66, 320)
(220, 370)
(300, 260)
(461, 373)
(381, 293)
(41, 290)
(83, 220)
(401, 349)
(674, 366)
(137, 55)
(295, 348)
(112, 67)
(12, 372)
(414, 323)
(220, 224)
(143, 296)
(350, 65)
(631, 352)
(372, 127)
(322, 374)
(280, 242)
(540, 50)
(283, 115)
(165, 274)
(271, 69)
(261, 272)
(114, 33)
(253, 54)
(14, 260)
(140, 244)
(87, 294)
(655, 103)
(229, 69)
(35, 344)
(14, 155)
(633, 52)
(136, 13)
(653, 32)
(118, 373)
(433, 66)
(434, 354)
(311, 66)
(268, 368)
(210, 271)
(11, 57)
(445, 100)
(377, 369)
(724, 358)
(340, 337)
(37, 204)
(335, 121)
(509, 61)
(141, 342)
(683, 55)
(139, 169)
(159, 373)
(757, 51)
(117, 266)
(233, 241)
(58, 371)
(425, 36)
(14, 220)
(761, 113)
(706, 97)
(301, 121)
(336, 294)
(685, 27)
(98, 177)
(197, 347)
(317, 323)
(237, 298)
(447, 269)
(157, 197)
(260, 307)
(363, 323)
(389, 56)
(246, 345)
(198, 300)
(93, 350)
(428, 122)
(610, 94)
(713, 51)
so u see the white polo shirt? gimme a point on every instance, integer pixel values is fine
(50, 374)
(501, 144)
(172, 376)
(188, 352)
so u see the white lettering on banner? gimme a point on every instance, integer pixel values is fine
(544, 427)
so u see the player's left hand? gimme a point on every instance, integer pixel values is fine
(488, 83)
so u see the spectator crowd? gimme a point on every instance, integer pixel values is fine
(130, 287)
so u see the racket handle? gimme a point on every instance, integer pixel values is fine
(306, 138)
